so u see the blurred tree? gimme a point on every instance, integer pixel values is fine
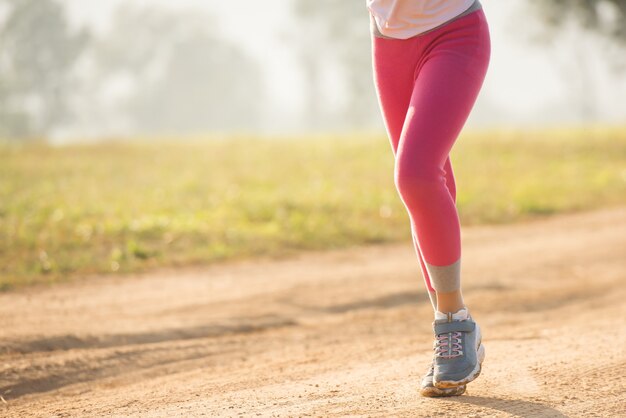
(38, 53)
(607, 17)
(337, 31)
(604, 17)
(177, 77)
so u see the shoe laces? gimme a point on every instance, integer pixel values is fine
(448, 345)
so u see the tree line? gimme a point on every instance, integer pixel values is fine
(153, 72)
(157, 72)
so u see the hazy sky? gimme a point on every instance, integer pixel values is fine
(527, 82)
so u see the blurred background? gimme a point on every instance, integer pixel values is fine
(77, 71)
(187, 105)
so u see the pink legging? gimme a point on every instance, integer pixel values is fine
(427, 86)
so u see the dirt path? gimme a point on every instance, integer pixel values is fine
(343, 333)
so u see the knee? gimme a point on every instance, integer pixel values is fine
(417, 183)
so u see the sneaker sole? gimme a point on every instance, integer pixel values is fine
(447, 384)
(434, 392)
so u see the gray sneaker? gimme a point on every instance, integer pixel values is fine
(458, 352)
(429, 390)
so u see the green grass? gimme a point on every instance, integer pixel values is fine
(70, 211)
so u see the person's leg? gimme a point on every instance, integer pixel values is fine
(451, 186)
(394, 76)
(449, 77)
(394, 64)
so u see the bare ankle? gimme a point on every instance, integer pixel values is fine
(450, 301)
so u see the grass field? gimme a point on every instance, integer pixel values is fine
(119, 207)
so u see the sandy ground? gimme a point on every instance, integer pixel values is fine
(342, 333)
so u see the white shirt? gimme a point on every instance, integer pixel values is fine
(403, 19)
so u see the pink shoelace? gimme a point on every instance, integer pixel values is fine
(448, 345)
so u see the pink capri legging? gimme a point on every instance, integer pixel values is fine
(427, 86)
